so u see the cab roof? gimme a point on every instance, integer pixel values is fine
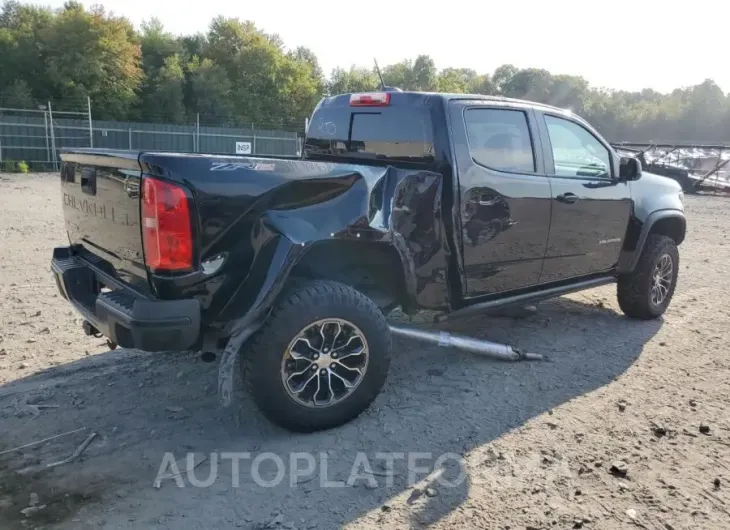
(412, 97)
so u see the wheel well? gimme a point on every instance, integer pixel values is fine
(674, 227)
(374, 269)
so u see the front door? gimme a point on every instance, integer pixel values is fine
(591, 208)
(504, 195)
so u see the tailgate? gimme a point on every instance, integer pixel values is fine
(101, 208)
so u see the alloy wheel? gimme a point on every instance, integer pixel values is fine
(325, 362)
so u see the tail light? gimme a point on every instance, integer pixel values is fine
(166, 233)
(370, 99)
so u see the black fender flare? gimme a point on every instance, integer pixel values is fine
(249, 306)
(630, 257)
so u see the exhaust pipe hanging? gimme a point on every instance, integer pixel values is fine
(486, 348)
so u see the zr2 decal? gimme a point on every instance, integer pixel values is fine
(229, 166)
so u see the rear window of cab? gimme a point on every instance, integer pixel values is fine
(390, 133)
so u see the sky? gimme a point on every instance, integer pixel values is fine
(621, 44)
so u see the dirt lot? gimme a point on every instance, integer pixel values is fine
(538, 442)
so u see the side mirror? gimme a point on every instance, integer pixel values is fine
(629, 168)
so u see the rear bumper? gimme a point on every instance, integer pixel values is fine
(123, 315)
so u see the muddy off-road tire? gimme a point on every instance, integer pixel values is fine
(647, 291)
(320, 359)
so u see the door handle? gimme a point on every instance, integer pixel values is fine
(567, 198)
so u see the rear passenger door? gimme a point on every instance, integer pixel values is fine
(591, 207)
(504, 195)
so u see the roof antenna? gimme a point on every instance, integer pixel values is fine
(383, 86)
(380, 76)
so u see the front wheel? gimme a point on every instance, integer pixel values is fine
(647, 291)
(321, 358)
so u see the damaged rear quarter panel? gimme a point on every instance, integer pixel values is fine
(264, 214)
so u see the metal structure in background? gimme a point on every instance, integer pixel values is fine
(53, 138)
(91, 125)
(36, 136)
(694, 166)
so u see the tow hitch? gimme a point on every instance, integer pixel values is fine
(91, 331)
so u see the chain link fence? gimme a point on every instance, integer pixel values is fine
(36, 136)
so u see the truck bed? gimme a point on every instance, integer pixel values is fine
(251, 220)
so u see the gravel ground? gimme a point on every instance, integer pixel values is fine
(627, 426)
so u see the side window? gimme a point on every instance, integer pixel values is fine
(500, 139)
(577, 153)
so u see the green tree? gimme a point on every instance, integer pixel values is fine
(531, 83)
(270, 86)
(502, 77)
(343, 81)
(425, 75)
(210, 92)
(161, 94)
(306, 55)
(22, 54)
(420, 74)
(91, 54)
(464, 80)
(307, 58)
(193, 45)
(164, 100)
(482, 84)
(568, 91)
(157, 45)
(17, 95)
(236, 73)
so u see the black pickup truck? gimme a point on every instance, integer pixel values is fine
(454, 203)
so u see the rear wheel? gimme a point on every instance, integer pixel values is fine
(321, 358)
(648, 290)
